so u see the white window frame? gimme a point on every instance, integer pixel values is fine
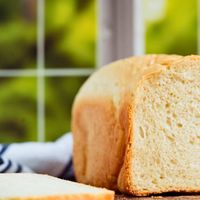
(121, 30)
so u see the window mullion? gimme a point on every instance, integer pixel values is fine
(121, 29)
(40, 70)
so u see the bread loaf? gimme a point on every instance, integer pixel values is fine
(136, 126)
(42, 187)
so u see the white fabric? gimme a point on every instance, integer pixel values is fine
(46, 158)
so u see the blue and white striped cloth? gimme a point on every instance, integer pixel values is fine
(53, 158)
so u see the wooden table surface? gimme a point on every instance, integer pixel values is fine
(183, 197)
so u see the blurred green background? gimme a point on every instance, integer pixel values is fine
(70, 39)
(171, 26)
(70, 42)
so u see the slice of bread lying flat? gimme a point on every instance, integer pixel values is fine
(43, 187)
(136, 126)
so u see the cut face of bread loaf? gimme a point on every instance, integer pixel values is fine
(43, 187)
(136, 126)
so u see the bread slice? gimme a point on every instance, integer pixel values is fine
(136, 126)
(43, 187)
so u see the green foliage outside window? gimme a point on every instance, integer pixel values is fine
(176, 31)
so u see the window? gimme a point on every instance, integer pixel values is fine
(49, 48)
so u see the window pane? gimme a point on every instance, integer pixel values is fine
(18, 109)
(171, 26)
(70, 33)
(18, 34)
(60, 93)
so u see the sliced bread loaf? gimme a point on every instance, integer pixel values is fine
(136, 125)
(43, 187)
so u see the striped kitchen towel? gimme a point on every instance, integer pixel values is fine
(53, 158)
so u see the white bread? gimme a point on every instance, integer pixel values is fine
(136, 126)
(43, 187)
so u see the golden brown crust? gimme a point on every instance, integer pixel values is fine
(112, 147)
(102, 125)
(124, 177)
(67, 197)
